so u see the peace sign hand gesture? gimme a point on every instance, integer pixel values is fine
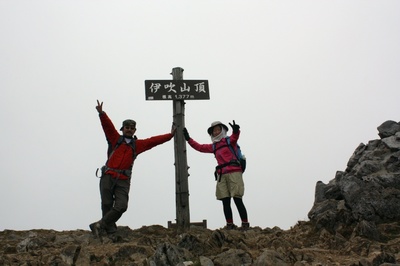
(99, 107)
(235, 127)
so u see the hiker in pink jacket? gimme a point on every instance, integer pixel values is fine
(229, 172)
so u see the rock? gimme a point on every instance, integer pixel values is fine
(204, 261)
(383, 257)
(233, 257)
(388, 128)
(393, 142)
(270, 257)
(70, 253)
(192, 243)
(169, 254)
(366, 193)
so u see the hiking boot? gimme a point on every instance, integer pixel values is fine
(244, 227)
(111, 229)
(230, 226)
(96, 228)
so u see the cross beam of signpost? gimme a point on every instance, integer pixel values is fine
(179, 90)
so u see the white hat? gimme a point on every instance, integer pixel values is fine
(216, 123)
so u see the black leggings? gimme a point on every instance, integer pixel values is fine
(226, 202)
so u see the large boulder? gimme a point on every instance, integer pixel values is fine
(367, 192)
(388, 128)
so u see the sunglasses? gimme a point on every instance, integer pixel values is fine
(129, 127)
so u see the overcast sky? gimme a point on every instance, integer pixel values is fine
(307, 81)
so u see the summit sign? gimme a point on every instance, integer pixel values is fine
(177, 90)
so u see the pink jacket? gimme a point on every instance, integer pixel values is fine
(223, 155)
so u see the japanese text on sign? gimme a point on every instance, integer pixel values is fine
(177, 90)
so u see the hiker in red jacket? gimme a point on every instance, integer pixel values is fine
(228, 172)
(116, 174)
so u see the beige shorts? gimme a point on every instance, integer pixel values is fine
(231, 185)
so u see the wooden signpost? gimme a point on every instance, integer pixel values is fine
(179, 90)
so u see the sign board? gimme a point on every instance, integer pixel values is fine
(177, 90)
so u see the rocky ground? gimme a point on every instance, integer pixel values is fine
(156, 245)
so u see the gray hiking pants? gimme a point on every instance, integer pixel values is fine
(114, 198)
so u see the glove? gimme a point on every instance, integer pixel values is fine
(235, 127)
(186, 134)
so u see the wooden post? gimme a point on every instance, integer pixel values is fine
(181, 167)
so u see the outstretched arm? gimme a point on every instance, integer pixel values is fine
(207, 148)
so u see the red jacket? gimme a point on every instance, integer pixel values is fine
(122, 157)
(223, 155)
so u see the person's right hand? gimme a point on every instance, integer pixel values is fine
(173, 129)
(186, 134)
(99, 107)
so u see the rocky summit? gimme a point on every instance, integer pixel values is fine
(355, 220)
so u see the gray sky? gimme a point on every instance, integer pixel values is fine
(307, 81)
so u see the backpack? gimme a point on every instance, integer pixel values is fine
(132, 144)
(239, 156)
(110, 151)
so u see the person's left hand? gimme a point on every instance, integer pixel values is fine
(186, 134)
(235, 127)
